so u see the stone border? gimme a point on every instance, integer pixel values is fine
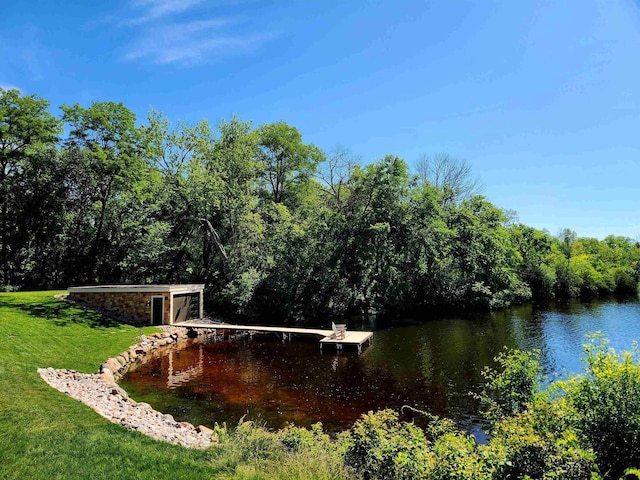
(101, 392)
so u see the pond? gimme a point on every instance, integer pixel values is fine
(427, 363)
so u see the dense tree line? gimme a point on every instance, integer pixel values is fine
(267, 221)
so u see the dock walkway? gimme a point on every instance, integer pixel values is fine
(355, 337)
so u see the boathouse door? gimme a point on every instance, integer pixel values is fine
(157, 310)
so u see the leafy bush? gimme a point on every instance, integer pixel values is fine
(248, 442)
(298, 439)
(539, 443)
(606, 402)
(379, 446)
(459, 457)
(511, 388)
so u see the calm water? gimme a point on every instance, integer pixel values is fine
(431, 365)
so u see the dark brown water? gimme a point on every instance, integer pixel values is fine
(431, 365)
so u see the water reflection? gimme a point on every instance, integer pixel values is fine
(181, 370)
(430, 365)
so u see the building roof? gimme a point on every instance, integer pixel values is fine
(171, 288)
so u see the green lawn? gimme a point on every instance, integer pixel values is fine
(45, 434)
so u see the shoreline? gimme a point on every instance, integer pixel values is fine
(101, 393)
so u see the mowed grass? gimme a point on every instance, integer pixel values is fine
(45, 434)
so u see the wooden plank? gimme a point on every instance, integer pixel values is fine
(351, 337)
(257, 328)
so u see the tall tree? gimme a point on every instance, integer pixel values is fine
(190, 200)
(484, 258)
(287, 163)
(26, 128)
(104, 141)
(375, 234)
(451, 175)
(534, 249)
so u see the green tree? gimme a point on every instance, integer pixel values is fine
(429, 248)
(534, 247)
(26, 129)
(374, 240)
(511, 388)
(287, 163)
(484, 257)
(103, 144)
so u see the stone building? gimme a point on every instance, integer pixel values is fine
(145, 304)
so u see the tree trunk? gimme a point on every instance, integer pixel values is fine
(94, 249)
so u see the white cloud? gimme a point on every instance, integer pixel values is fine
(192, 52)
(162, 38)
(155, 9)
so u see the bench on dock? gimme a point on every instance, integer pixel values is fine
(339, 330)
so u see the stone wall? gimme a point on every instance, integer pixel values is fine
(134, 306)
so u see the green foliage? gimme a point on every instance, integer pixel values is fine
(539, 442)
(533, 433)
(459, 457)
(511, 388)
(28, 133)
(287, 163)
(250, 451)
(534, 249)
(381, 447)
(631, 474)
(605, 400)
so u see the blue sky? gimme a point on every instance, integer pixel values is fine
(541, 98)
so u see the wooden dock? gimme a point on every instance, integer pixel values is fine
(355, 337)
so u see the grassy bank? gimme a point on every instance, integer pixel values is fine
(46, 434)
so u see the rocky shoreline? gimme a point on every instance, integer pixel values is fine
(101, 392)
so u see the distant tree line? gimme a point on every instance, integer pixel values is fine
(268, 222)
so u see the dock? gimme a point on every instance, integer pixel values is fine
(326, 337)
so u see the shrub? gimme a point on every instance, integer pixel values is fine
(459, 457)
(297, 439)
(381, 447)
(253, 452)
(539, 443)
(511, 388)
(606, 401)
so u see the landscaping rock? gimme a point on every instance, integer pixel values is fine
(113, 403)
(205, 430)
(101, 393)
(107, 376)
